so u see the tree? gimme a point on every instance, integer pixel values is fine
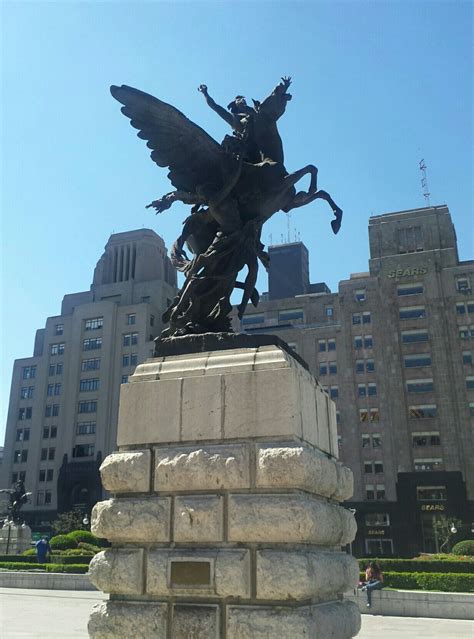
(68, 521)
(445, 528)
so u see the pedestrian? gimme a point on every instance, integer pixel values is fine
(42, 549)
(374, 580)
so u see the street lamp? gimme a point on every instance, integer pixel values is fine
(453, 529)
(85, 521)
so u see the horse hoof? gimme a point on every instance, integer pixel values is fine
(336, 225)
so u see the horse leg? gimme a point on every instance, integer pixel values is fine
(292, 178)
(167, 200)
(302, 198)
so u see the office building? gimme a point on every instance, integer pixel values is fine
(63, 410)
(394, 349)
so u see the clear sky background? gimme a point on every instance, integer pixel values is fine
(377, 86)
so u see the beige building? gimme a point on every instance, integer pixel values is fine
(63, 410)
(394, 349)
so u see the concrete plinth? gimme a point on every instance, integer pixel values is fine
(225, 516)
(14, 539)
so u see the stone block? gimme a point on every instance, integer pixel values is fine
(288, 519)
(345, 483)
(202, 468)
(288, 575)
(139, 520)
(122, 620)
(335, 620)
(149, 412)
(229, 572)
(201, 408)
(118, 571)
(193, 621)
(127, 472)
(293, 466)
(198, 518)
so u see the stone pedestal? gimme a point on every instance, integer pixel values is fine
(14, 539)
(224, 517)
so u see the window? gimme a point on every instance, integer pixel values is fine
(420, 385)
(57, 389)
(368, 468)
(22, 434)
(471, 409)
(59, 329)
(375, 467)
(93, 324)
(360, 295)
(329, 310)
(124, 379)
(46, 432)
(360, 366)
(338, 417)
(409, 337)
(134, 359)
(20, 456)
(409, 289)
(427, 464)
(49, 474)
(27, 392)
(431, 493)
(57, 349)
(431, 438)
(51, 453)
(332, 368)
(370, 365)
(255, 318)
(54, 431)
(470, 382)
(365, 441)
(467, 357)
(334, 392)
(130, 339)
(323, 368)
(92, 343)
(87, 406)
(410, 240)
(43, 497)
(367, 390)
(417, 361)
(358, 343)
(131, 318)
(83, 450)
(339, 441)
(44, 454)
(92, 364)
(91, 384)
(55, 369)
(85, 428)
(42, 476)
(125, 360)
(51, 410)
(50, 390)
(466, 332)
(412, 312)
(361, 390)
(294, 314)
(368, 343)
(463, 285)
(426, 411)
(25, 413)
(380, 491)
(367, 365)
(463, 308)
(369, 492)
(152, 320)
(460, 309)
(376, 441)
(372, 389)
(19, 476)
(377, 519)
(361, 318)
(52, 369)
(29, 372)
(331, 344)
(378, 467)
(326, 345)
(372, 415)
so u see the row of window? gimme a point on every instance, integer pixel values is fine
(373, 467)
(53, 389)
(465, 307)
(376, 492)
(55, 369)
(466, 332)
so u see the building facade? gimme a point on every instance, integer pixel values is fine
(63, 410)
(394, 349)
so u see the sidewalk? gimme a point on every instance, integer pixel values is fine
(62, 614)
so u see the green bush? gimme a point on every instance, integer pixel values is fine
(71, 568)
(446, 582)
(84, 536)
(422, 565)
(90, 547)
(62, 542)
(68, 560)
(78, 552)
(17, 558)
(31, 552)
(464, 547)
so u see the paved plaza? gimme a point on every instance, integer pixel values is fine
(51, 614)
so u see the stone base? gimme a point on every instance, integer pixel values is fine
(14, 539)
(225, 516)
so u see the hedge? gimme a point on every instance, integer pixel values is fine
(87, 537)
(73, 568)
(62, 542)
(422, 565)
(445, 582)
(464, 547)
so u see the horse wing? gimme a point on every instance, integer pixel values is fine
(192, 156)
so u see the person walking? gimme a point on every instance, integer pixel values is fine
(374, 580)
(42, 549)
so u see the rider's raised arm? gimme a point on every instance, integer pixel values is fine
(225, 115)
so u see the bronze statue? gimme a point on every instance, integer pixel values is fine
(233, 187)
(18, 496)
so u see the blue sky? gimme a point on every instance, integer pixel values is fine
(377, 86)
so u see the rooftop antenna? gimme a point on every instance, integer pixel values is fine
(424, 182)
(288, 227)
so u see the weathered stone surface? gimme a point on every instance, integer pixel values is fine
(288, 519)
(345, 483)
(127, 472)
(198, 518)
(202, 468)
(118, 571)
(195, 622)
(120, 620)
(293, 466)
(334, 620)
(144, 519)
(230, 572)
(283, 575)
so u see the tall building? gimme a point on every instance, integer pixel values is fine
(63, 410)
(394, 350)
